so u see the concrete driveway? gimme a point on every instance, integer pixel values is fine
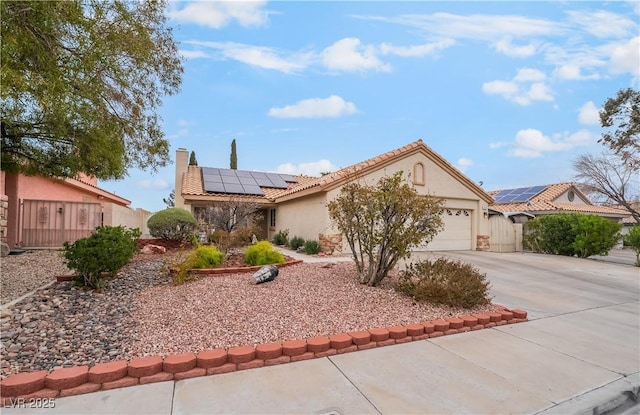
(551, 285)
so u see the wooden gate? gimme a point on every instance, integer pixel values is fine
(48, 224)
(504, 235)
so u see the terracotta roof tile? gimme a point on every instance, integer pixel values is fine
(545, 202)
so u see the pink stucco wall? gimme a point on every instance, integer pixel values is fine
(40, 188)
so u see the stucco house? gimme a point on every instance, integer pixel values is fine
(523, 203)
(42, 212)
(298, 203)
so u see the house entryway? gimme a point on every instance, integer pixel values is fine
(48, 224)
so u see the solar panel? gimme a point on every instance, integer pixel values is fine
(243, 173)
(519, 195)
(230, 180)
(248, 180)
(264, 182)
(213, 187)
(288, 178)
(212, 178)
(228, 172)
(233, 188)
(277, 180)
(252, 190)
(257, 174)
(210, 170)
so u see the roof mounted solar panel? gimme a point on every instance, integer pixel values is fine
(264, 182)
(212, 187)
(243, 173)
(288, 178)
(252, 190)
(277, 180)
(233, 188)
(518, 195)
(210, 170)
(230, 180)
(228, 172)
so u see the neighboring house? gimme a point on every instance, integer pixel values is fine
(524, 203)
(40, 212)
(299, 203)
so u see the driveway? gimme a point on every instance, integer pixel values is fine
(550, 285)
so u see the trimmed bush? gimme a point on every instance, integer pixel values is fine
(311, 247)
(172, 224)
(296, 242)
(282, 237)
(632, 239)
(572, 234)
(202, 257)
(101, 255)
(445, 281)
(262, 253)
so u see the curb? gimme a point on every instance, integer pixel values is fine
(141, 370)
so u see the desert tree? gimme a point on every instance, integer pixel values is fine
(609, 179)
(382, 222)
(192, 159)
(621, 116)
(170, 200)
(231, 214)
(233, 158)
(82, 82)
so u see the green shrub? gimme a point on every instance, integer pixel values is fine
(445, 281)
(632, 239)
(101, 254)
(262, 253)
(173, 224)
(311, 247)
(282, 237)
(296, 242)
(202, 257)
(572, 234)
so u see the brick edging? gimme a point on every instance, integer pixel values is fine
(141, 370)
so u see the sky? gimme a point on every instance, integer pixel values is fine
(508, 92)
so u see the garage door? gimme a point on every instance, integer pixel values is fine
(456, 235)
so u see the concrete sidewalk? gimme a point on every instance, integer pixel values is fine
(580, 354)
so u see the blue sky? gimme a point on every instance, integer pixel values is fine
(508, 92)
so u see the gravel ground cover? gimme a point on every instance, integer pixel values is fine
(143, 313)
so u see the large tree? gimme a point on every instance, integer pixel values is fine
(621, 115)
(382, 223)
(81, 85)
(610, 179)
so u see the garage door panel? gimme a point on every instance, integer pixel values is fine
(456, 235)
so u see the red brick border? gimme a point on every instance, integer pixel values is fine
(141, 370)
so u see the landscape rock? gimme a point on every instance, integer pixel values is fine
(4, 249)
(265, 274)
(153, 249)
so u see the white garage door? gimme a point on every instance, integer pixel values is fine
(456, 235)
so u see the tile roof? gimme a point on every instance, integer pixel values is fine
(545, 202)
(192, 185)
(192, 179)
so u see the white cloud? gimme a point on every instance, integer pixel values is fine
(529, 74)
(504, 88)
(625, 57)
(573, 72)
(416, 50)
(602, 24)
(478, 26)
(193, 54)
(315, 168)
(464, 163)
(152, 184)
(589, 114)
(217, 14)
(517, 91)
(348, 55)
(532, 143)
(262, 57)
(331, 107)
(505, 46)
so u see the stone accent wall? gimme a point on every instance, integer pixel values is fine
(330, 244)
(483, 243)
(4, 213)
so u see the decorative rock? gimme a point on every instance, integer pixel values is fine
(4, 249)
(265, 274)
(153, 249)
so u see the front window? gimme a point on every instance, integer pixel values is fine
(272, 218)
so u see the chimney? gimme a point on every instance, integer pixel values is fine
(182, 164)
